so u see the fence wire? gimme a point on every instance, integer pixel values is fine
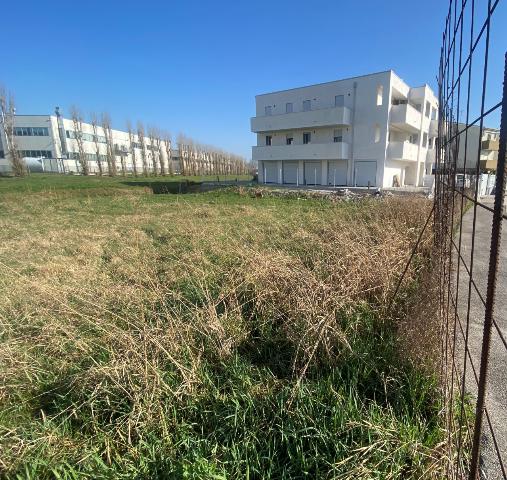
(467, 226)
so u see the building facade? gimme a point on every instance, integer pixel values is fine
(370, 130)
(54, 143)
(476, 146)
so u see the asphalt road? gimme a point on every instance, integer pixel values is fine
(496, 399)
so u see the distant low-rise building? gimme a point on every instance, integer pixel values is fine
(54, 143)
(370, 130)
(474, 146)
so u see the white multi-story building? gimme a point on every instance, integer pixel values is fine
(50, 143)
(369, 130)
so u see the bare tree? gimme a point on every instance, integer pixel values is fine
(158, 144)
(132, 146)
(95, 123)
(142, 146)
(77, 120)
(122, 151)
(168, 151)
(108, 133)
(7, 116)
(154, 151)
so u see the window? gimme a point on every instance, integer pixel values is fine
(433, 113)
(414, 139)
(425, 140)
(31, 131)
(380, 95)
(307, 137)
(288, 107)
(430, 143)
(427, 110)
(289, 139)
(2, 154)
(267, 110)
(338, 100)
(377, 133)
(338, 135)
(307, 105)
(36, 153)
(397, 101)
(268, 140)
(417, 106)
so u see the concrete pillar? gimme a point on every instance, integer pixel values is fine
(301, 172)
(279, 168)
(260, 171)
(324, 165)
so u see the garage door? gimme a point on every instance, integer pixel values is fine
(290, 172)
(270, 172)
(364, 172)
(337, 173)
(313, 173)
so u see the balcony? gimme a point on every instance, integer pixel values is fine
(310, 151)
(325, 117)
(406, 117)
(433, 130)
(405, 151)
(490, 145)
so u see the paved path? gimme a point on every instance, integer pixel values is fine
(496, 402)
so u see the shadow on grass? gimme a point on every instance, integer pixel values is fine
(168, 187)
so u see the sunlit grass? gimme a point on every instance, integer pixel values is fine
(213, 335)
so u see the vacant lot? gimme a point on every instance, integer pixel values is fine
(212, 335)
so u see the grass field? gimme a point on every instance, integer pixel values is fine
(217, 335)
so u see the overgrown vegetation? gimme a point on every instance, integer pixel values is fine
(213, 335)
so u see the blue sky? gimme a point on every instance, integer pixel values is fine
(196, 66)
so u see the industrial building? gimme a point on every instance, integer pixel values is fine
(53, 143)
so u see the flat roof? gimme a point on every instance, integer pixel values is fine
(324, 83)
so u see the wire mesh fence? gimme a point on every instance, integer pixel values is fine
(472, 136)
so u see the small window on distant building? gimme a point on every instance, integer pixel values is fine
(307, 105)
(433, 113)
(338, 100)
(288, 107)
(268, 140)
(307, 137)
(425, 140)
(414, 139)
(428, 109)
(380, 95)
(338, 135)
(377, 133)
(267, 110)
(430, 143)
(289, 139)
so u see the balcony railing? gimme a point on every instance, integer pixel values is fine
(433, 130)
(325, 117)
(310, 151)
(406, 117)
(402, 151)
(431, 155)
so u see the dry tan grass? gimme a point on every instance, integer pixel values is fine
(109, 309)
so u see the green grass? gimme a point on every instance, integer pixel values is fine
(37, 182)
(207, 335)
